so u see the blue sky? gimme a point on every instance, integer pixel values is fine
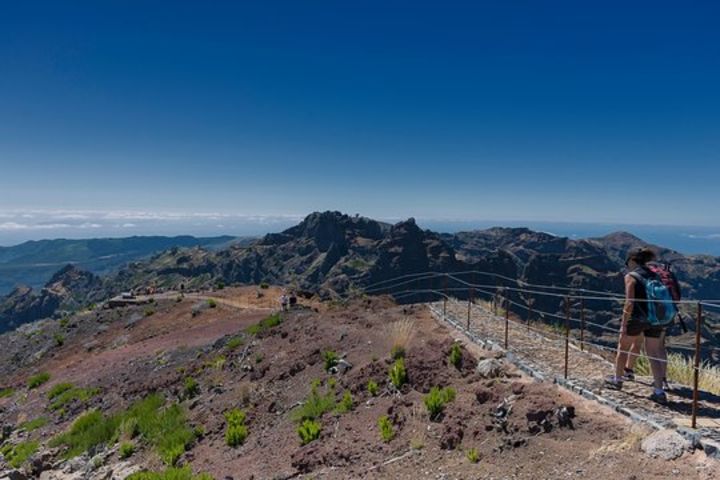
(502, 111)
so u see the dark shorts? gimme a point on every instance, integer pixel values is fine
(650, 331)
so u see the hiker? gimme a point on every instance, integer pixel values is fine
(648, 306)
(284, 302)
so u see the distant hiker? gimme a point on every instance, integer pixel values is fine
(293, 299)
(284, 302)
(649, 308)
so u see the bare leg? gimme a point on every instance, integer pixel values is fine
(634, 352)
(625, 343)
(663, 355)
(655, 351)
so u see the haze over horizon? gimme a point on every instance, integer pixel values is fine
(258, 114)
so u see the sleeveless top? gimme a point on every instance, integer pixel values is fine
(640, 309)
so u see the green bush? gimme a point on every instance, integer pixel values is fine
(372, 388)
(212, 303)
(190, 388)
(387, 432)
(315, 405)
(331, 359)
(234, 343)
(59, 339)
(309, 430)
(346, 404)
(397, 352)
(264, 285)
(183, 473)
(31, 425)
(456, 355)
(472, 455)
(16, 455)
(37, 380)
(86, 432)
(437, 398)
(149, 312)
(236, 431)
(126, 450)
(398, 374)
(6, 392)
(66, 393)
(220, 285)
(265, 324)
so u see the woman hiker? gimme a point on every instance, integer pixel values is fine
(634, 323)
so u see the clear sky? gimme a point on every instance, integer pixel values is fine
(556, 111)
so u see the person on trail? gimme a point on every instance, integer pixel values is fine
(284, 302)
(636, 321)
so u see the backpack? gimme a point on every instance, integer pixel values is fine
(661, 309)
(668, 278)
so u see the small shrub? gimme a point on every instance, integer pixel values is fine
(64, 395)
(218, 362)
(234, 343)
(17, 455)
(258, 358)
(372, 388)
(387, 432)
(7, 392)
(265, 324)
(315, 405)
(126, 450)
(37, 380)
(183, 473)
(397, 352)
(400, 334)
(149, 312)
(437, 398)
(398, 375)
(236, 431)
(59, 339)
(86, 432)
(212, 303)
(64, 322)
(264, 285)
(190, 388)
(331, 359)
(128, 428)
(31, 425)
(309, 430)
(472, 455)
(220, 285)
(59, 389)
(346, 404)
(456, 355)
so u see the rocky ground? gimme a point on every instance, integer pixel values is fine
(511, 426)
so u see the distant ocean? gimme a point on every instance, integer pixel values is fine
(687, 240)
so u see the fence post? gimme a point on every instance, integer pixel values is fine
(529, 306)
(582, 325)
(567, 334)
(507, 320)
(696, 372)
(470, 299)
(445, 282)
(494, 300)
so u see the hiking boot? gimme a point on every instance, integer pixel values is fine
(666, 385)
(659, 397)
(629, 375)
(613, 383)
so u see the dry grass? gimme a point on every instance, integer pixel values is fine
(681, 370)
(400, 334)
(629, 443)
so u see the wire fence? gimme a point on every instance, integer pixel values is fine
(515, 296)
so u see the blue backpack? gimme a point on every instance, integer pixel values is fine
(660, 303)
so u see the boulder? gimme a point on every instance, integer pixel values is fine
(490, 368)
(666, 444)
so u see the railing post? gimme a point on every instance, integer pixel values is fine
(582, 324)
(696, 373)
(529, 306)
(567, 334)
(494, 300)
(507, 320)
(445, 282)
(470, 299)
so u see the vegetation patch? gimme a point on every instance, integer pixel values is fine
(265, 324)
(309, 430)
(315, 405)
(455, 357)
(330, 359)
(437, 398)
(63, 394)
(88, 431)
(472, 455)
(190, 388)
(16, 455)
(183, 473)
(7, 392)
(372, 388)
(387, 432)
(31, 425)
(126, 450)
(236, 431)
(346, 404)
(212, 303)
(398, 374)
(36, 380)
(234, 342)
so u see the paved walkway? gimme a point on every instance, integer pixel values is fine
(544, 354)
